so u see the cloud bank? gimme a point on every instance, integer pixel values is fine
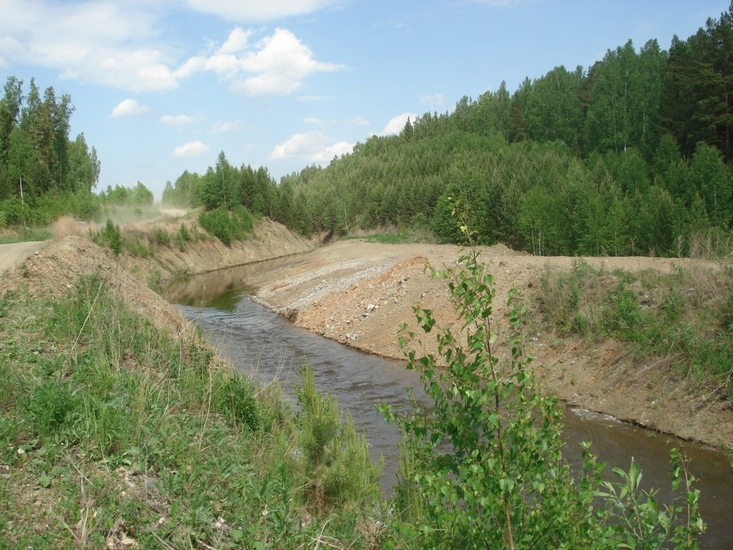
(123, 44)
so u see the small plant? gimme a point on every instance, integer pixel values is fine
(162, 238)
(155, 281)
(337, 458)
(110, 237)
(183, 237)
(216, 222)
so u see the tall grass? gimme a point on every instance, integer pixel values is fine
(115, 432)
(686, 316)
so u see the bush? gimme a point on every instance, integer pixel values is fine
(182, 237)
(162, 238)
(242, 222)
(216, 222)
(110, 237)
(337, 462)
(484, 468)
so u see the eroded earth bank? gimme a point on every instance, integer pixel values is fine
(360, 293)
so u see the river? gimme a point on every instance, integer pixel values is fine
(259, 342)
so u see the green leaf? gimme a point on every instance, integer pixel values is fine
(44, 481)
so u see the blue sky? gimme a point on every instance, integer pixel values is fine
(161, 86)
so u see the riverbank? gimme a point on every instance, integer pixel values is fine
(359, 293)
(121, 429)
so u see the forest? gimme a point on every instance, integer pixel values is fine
(43, 173)
(631, 156)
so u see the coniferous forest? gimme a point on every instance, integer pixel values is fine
(631, 156)
(43, 173)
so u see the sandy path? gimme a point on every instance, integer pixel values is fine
(13, 254)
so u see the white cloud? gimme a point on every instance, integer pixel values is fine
(190, 149)
(176, 120)
(226, 126)
(310, 146)
(280, 63)
(433, 100)
(103, 42)
(259, 10)
(237, 41)
(397, 123)
(335, 150)
(129, 107)
(122, 44)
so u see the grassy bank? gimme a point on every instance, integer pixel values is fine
(682, 320)
(115, 434)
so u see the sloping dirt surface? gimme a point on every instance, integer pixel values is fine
(13, 254)
(361, 293)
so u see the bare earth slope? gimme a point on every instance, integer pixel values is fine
(360, 294)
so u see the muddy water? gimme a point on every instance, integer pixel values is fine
(263, 344)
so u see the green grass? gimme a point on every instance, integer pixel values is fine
(24, 234)
(111, 429)
(686, 316)
(403, 237)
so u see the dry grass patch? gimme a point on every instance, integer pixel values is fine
(67, 226)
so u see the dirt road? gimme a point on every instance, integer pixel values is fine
(12, 254)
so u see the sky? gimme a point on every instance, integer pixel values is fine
(163, 86)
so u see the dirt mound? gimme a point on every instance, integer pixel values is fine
(55, 270)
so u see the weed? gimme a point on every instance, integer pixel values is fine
(155, 281)
(686, 315)
(161, 236)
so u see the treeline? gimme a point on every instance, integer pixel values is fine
(228, 186)
(631, 156)
(43, 173)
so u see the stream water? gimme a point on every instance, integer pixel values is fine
(259, 342)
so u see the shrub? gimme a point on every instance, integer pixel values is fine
(337, 461)
(216, 222)
(484, 468)
(162, 238)
(182, 237)
(242, 221)
(110, 237)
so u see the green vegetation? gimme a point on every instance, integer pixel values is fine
(115, 432)
(110, 237)
(629, 157)
(686, 317)
(137, 197)
(484, 469)
(25, 234)
(43, 173)
(227, 226)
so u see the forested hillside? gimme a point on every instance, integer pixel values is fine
(631, 156)
(43, 173)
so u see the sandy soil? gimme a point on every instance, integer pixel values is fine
(13, 254)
